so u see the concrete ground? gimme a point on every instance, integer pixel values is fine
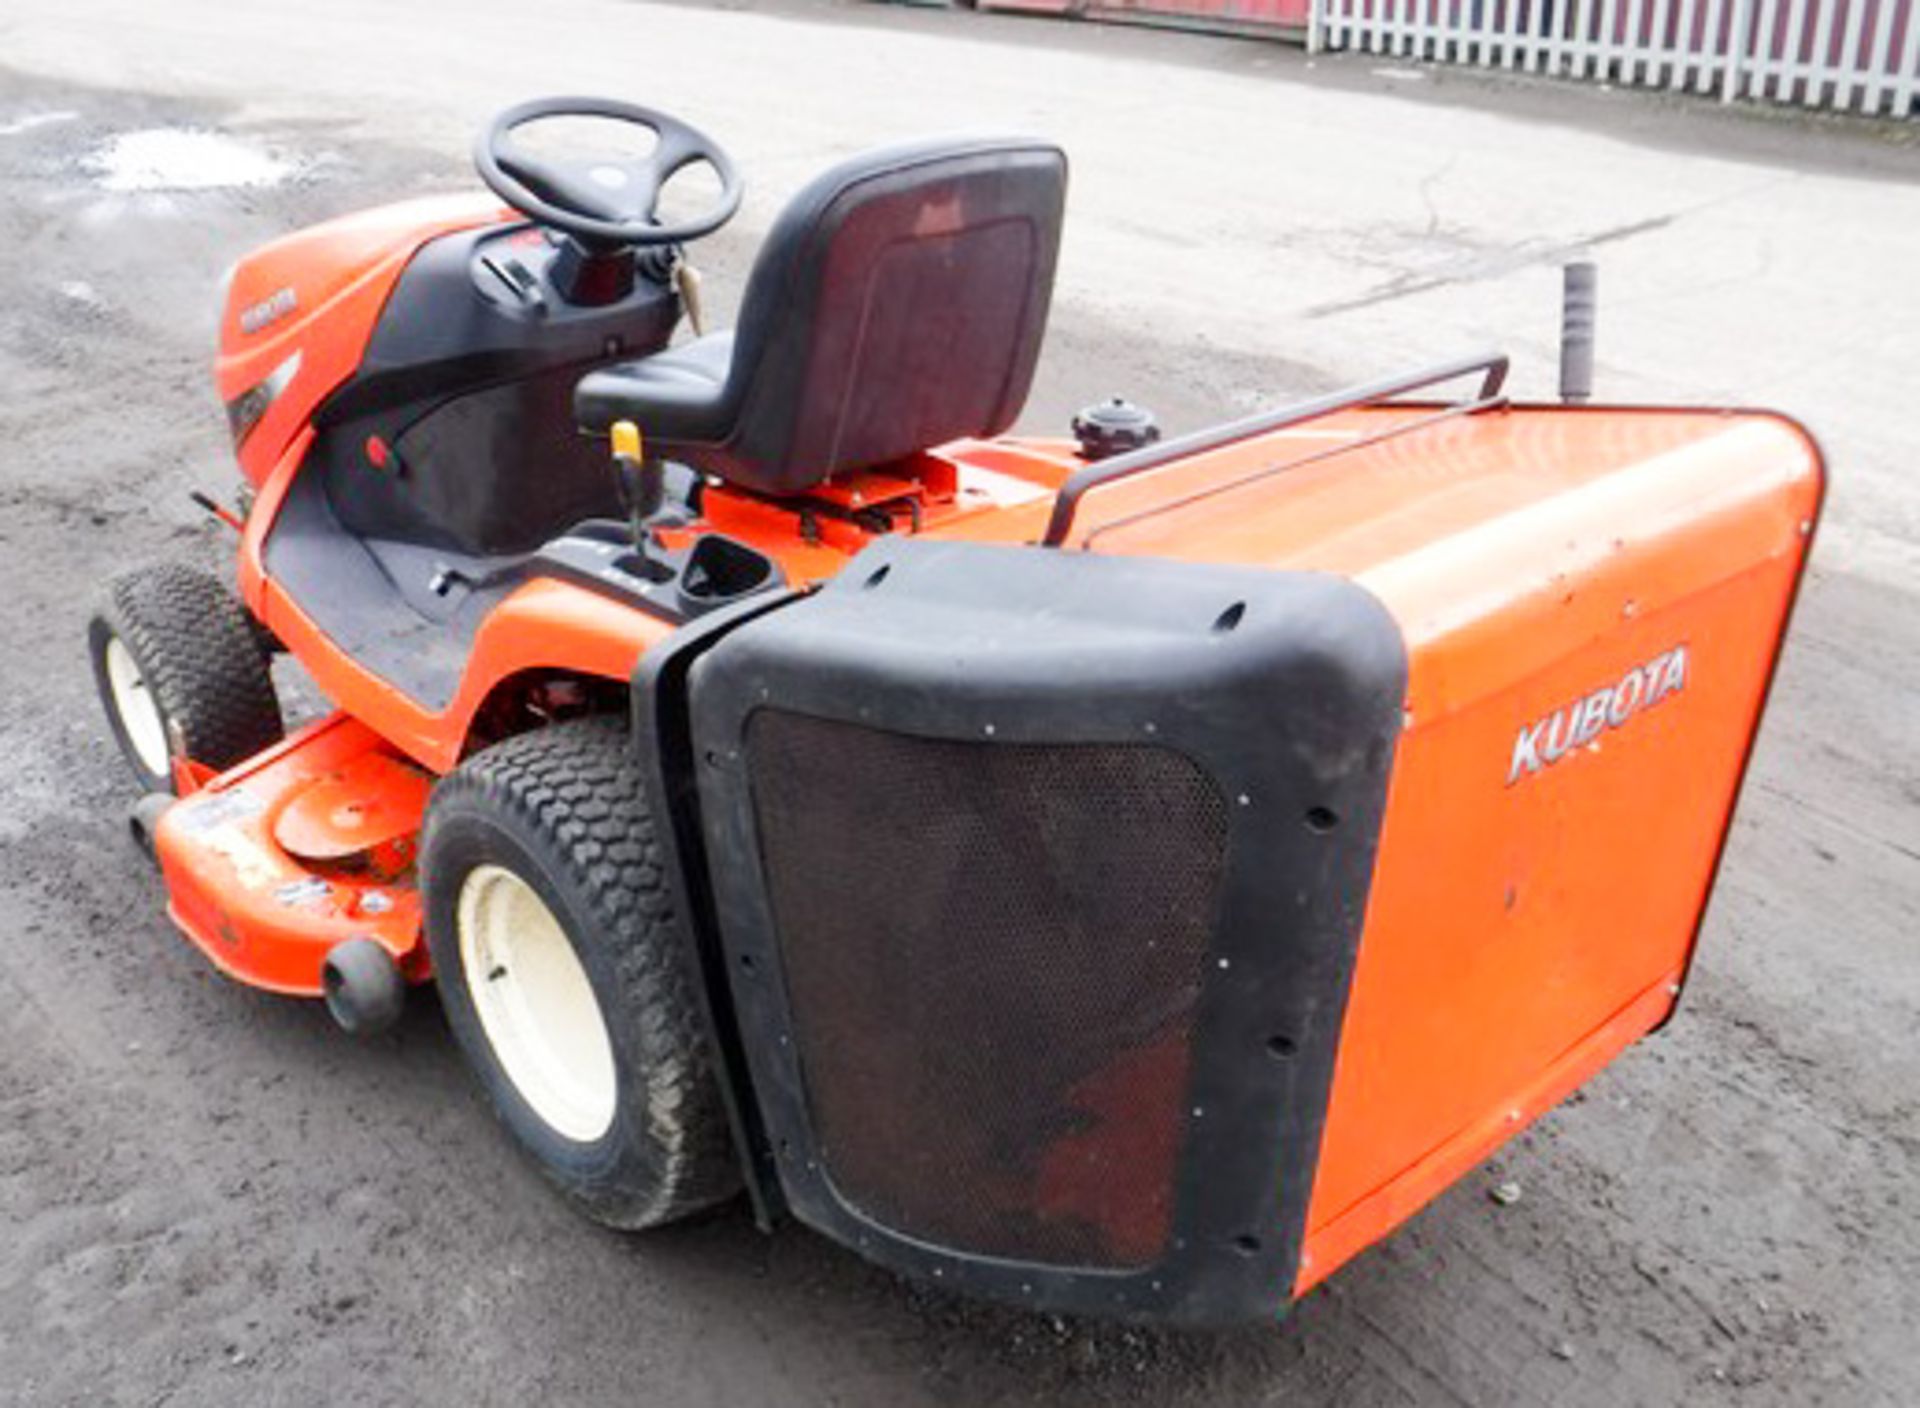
(208, 1196)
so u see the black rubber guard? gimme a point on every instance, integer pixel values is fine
(1285, 688)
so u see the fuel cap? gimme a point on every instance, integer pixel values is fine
(1113, 428)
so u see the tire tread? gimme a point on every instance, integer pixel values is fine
(194, 643)
(577, 785)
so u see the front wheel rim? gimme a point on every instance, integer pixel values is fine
(137, 709)
(536, 1004)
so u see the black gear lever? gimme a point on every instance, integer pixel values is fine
(643, 481)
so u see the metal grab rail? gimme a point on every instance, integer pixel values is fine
(1492, 366)
(1405, 427)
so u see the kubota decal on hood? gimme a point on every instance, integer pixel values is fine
(1550, 738)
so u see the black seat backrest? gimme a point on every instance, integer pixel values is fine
(899, 302)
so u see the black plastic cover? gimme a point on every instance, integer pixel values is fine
(468, 380)
(964, 809)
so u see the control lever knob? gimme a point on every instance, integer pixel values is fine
(686, 282)
(642, 479)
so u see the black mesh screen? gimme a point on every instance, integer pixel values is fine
(993, 956)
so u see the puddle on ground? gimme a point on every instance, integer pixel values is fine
(183, 159)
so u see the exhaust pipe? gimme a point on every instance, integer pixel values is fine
(143, 817)
(1578, 294)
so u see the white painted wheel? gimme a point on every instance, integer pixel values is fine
(566, 975)
(535, 1003)
(139, 712)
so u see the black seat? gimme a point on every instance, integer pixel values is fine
(899, 302)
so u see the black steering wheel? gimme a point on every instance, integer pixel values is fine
(610, 200)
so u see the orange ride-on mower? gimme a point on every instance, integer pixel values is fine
(1113, 874)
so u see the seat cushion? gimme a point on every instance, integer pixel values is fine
(675, 395)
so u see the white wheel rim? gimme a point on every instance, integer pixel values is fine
(535, 1003)
(139, 714)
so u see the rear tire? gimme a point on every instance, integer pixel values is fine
(179, 673)
(566, 976)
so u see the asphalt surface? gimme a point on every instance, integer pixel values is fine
(209, 1196)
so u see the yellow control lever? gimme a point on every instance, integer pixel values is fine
(626, 440)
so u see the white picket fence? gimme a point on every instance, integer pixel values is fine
(1850, 55)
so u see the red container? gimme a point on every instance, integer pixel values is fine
(1286, 18)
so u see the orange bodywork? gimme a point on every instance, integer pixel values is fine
(1518, 933)
(971, 488)
(308, 303)
(275, 861)
(1591, 601)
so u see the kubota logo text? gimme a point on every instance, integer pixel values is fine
(1547, 740)
(270, 309)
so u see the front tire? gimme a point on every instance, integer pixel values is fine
(179, 673)
(565, 974)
